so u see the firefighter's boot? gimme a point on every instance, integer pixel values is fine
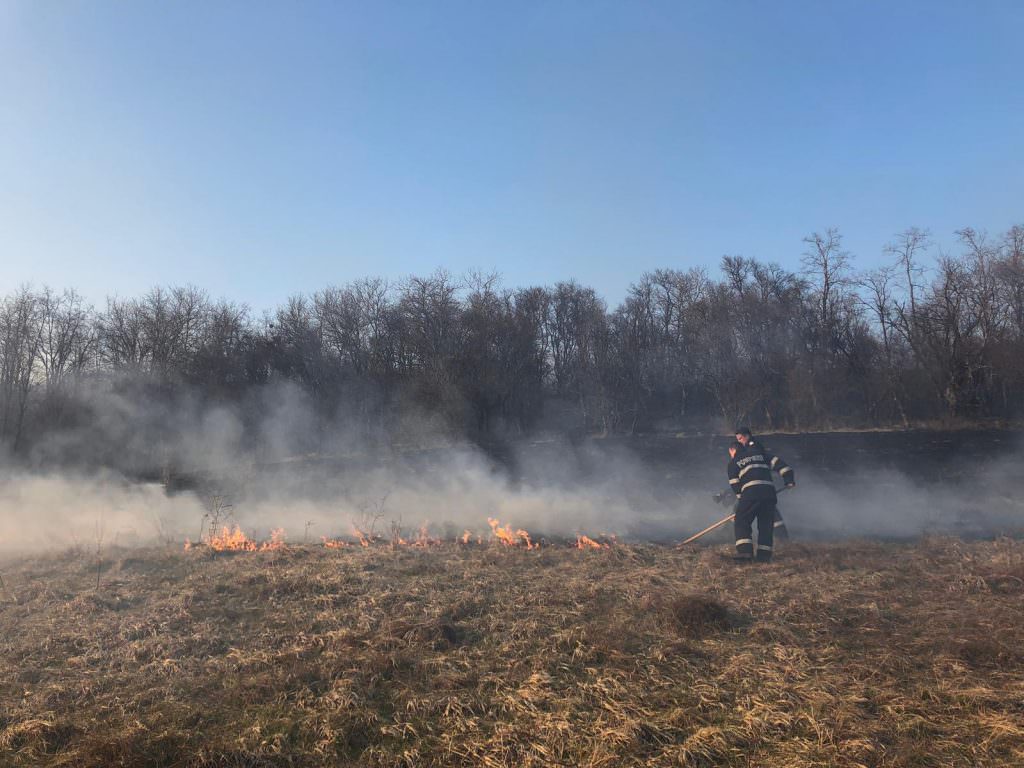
(744, 551)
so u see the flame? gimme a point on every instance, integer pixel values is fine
(511, 538)
(585, 542)
(424, 539)
(364, 540)
(232, 539)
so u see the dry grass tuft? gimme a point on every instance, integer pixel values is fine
(855, 654)
(698, 616)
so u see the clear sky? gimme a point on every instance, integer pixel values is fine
(259, 149)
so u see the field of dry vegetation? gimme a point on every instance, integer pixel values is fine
(835, 655)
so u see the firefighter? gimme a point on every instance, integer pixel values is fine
(745, 438)
(750, 477)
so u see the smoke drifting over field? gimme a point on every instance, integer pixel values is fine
(46, 511)
(451, 493)
(461, 489)
(888, 504)
(293, 468)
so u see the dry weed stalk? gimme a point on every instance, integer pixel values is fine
(163, 533)
(3, 588)
(99, 549)
(219, 515)
(370, 514)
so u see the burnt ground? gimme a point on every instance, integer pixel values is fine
(839, 654)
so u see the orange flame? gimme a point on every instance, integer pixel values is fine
(232, 539)
(424, 539)
(511, 538)
(364, 540)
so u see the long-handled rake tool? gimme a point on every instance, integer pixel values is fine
(720, 523)
(709, 529)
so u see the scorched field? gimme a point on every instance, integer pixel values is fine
(492, 654)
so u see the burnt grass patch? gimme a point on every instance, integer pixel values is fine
(857, 654)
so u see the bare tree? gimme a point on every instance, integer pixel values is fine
(907, 249)
(122, 335)
(68, 339)
(827, 266)
(879, 299)
(1010, 274)
(20, 342)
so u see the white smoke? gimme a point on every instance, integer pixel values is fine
(57, 511)
(314, 477)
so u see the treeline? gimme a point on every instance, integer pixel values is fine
(929, 337)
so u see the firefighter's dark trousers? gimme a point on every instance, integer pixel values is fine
(762, 510)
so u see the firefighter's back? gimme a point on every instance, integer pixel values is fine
(754, 471)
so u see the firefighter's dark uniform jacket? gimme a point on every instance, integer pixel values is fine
(750, 477)
(750, 473)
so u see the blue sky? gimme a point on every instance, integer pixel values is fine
(263, 149)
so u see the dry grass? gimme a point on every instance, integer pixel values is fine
(835, 655)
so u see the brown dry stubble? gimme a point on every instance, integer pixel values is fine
(848, 654)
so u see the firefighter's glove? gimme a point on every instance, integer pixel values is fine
(722, 498)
